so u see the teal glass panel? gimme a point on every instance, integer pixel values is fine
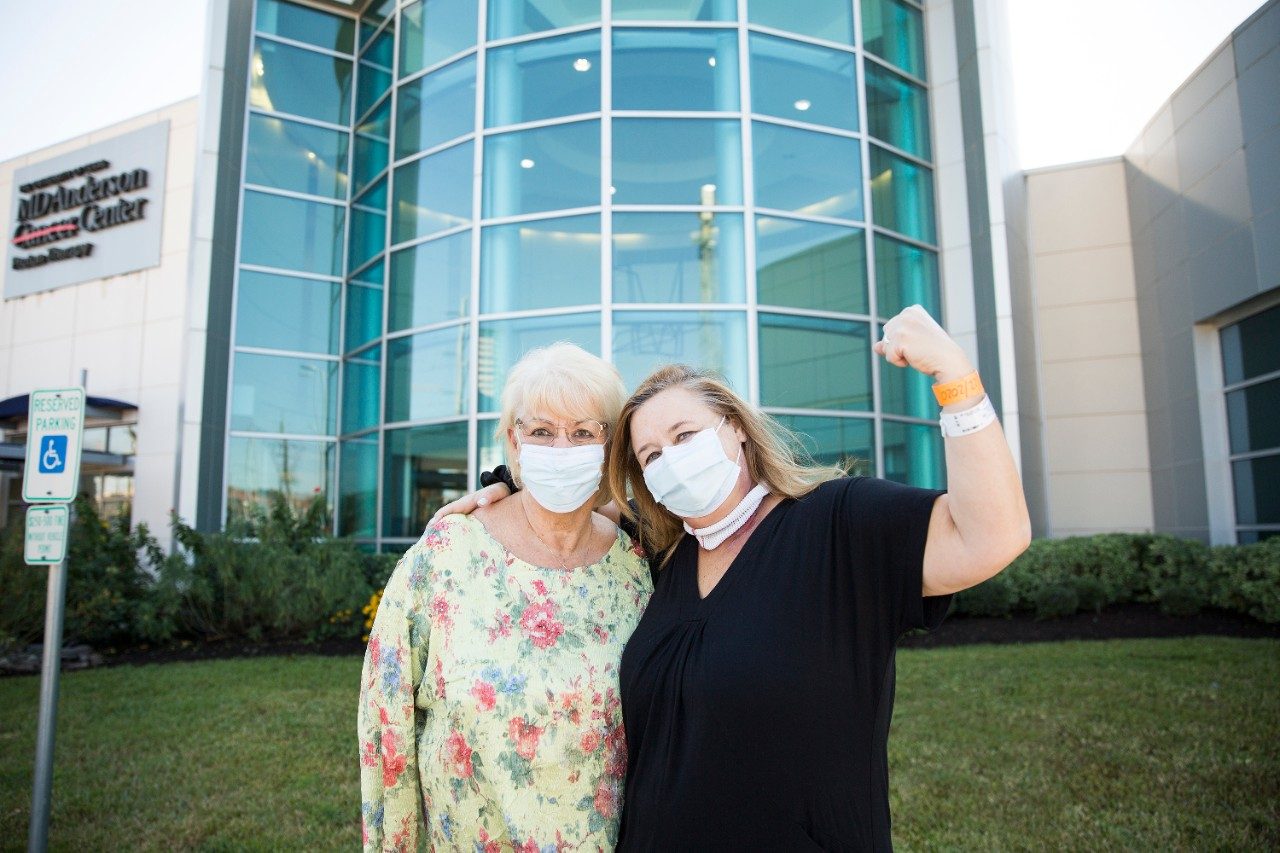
(543, 263)
(845, 442)
(824, 19)
(374, 197)
(904, 391)
(547, 168)
(913, 454)
(361, 384)
(301, 82)
(373, 72)
(814, 363)
(436, 108)
(433, 30)
(542, 79)
(712, 340)
(807, 172)
(902, 195)
(678, 257)
(677, 161)
(367, 237)
(428, 375)
(364, 314)
(894, 31)
(373, 15)
(905, 275)
(295, 156)
(803, 82)
(260, 469)
(810, 265)
(282, 312)
(509, 18)
(272, 393)
(491, 450)
(290, 233)
(503, 342)
(300, 23)
(425, 468)
(671, 69)
(382, 51)
(358, 487)
(1253, 417)
(430, 282)
(433, 194)
(372, 146)
(1257, 498)
(1251, 347)
(897, 111)
(675, 10)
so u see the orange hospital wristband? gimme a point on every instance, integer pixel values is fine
(960, 389)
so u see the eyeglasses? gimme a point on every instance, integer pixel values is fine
(544, 432)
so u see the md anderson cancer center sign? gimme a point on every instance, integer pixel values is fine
(93, 213)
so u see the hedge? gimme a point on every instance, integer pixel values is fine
(1058, 577)
(279, 577)
(275, 578)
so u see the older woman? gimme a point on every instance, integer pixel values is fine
(489, 702)
(758, 688)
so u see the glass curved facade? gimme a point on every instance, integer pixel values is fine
(436, 186)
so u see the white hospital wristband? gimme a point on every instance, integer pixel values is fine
(956, 424)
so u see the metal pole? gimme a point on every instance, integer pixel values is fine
(42, 788)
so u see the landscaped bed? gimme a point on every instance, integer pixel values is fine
(1153, 744)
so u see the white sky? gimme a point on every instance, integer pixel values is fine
(1088, 74)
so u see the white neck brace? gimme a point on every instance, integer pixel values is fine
(713, 534)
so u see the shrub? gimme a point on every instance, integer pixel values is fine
(1246, 578)
(1091, 594)
(1179, 599)
(291, 583)
(1053, 601)
(23, 591)
(1174, 563)
(992, 597)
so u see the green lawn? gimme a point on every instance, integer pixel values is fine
(1155, 744)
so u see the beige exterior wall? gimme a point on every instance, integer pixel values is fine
(127, 330)
(1095, 437)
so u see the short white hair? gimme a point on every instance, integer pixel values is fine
(561, 381)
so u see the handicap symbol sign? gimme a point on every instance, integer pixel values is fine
(53, 455)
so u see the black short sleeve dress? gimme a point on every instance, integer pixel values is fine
(758, 718)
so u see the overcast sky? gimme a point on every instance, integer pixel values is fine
(1088, 74)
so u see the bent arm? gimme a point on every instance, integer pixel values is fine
(981, 524)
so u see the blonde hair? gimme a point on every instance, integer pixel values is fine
(560, 379)
(772, 452)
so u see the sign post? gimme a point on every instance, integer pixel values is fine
(51, 475)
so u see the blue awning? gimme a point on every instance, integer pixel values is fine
(15, 408)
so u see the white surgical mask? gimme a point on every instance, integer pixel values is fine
(561, 479)
(693, 478)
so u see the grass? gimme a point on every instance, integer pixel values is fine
(1153, 744)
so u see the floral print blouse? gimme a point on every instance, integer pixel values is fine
(489, 708)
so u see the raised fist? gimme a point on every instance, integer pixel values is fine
(914, 339)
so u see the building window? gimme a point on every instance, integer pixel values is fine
(733, 185)
(1251, 383)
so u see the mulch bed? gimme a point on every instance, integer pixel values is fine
(1129, 622)
(1115, 623)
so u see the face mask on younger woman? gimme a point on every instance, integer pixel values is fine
(693, 478)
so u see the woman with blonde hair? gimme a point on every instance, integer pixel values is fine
(489, 702)
(758, 687)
